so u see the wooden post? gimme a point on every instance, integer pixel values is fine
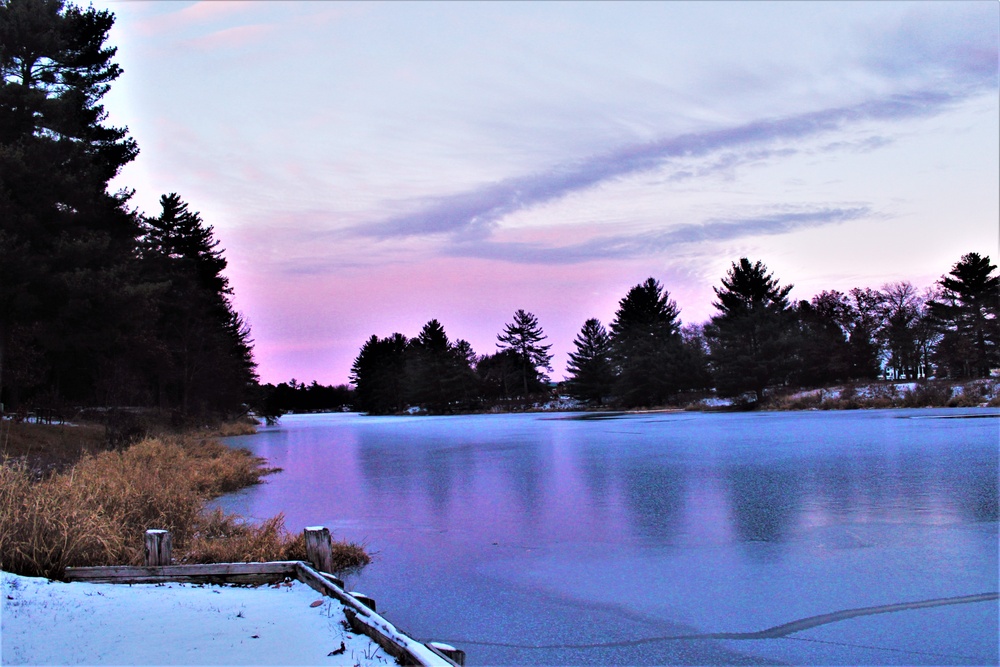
(364, 599)
(158, 547)
(456, 655)
(319, 548)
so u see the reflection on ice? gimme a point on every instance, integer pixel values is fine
(693, 523)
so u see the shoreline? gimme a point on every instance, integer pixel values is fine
(886, 394)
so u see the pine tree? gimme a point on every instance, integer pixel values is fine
(823, 348)
(647, 348)
(71, 303)
(591, 373)
(437, 372)
(967, 314)
(378, 374)
(206, 357)
(524, 336)
(751, 339)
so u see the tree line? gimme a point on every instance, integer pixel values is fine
(100, 304)
(295, 396)
(757, 340)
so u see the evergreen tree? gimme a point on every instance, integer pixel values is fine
(71, 308)
(823, 348)
(438, 372)
(465, 379)
(206, 358)
(967, 314)
(647, 348)
(524, 337)
(751, 339)
(499, 375)
(591, 373)
(379, 375)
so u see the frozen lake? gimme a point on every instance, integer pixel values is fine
(660, 538)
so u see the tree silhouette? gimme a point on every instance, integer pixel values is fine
(647, 347)
(751, 338)
(71, 311)
(591, 374)
(207, 355)
(863, 340)
(379, 375)
(438, 373)
(967, 313)
(823, 348)
(524, 336)
(906, 332)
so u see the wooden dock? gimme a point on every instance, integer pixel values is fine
(359, 608)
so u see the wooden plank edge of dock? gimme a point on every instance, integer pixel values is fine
(369, 623)
(271, 572)
(362, 619)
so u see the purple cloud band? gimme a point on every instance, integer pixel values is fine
(612, 247)
(471, 215)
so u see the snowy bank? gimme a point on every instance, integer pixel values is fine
(45, 622)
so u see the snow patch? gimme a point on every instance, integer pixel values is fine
(46, 622)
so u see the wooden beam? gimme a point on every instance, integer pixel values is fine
(367, 622)
(202, 573)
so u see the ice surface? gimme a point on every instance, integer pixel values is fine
(499, 533)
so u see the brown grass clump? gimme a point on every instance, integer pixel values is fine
(97, 512)
(227, 538)
(245, 426)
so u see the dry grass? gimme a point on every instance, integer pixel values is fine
(47, 448)
(96, 512)
(246, 426)
(934, 393)
(226, 538)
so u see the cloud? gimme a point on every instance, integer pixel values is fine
(952, 41)
(648, 243)
(473, 214)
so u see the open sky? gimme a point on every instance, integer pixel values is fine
(370, 166)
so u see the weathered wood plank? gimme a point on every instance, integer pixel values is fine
(365, 621)
(168, 572)
(320, 584)
(250, 579)
(406, 650)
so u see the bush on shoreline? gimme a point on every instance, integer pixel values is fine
(96, 512)
(923, 394)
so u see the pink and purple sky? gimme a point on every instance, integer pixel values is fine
(370, 166)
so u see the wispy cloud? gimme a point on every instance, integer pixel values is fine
(473, 214)
(647, 243)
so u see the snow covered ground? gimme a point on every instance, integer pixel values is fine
(53, 623)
